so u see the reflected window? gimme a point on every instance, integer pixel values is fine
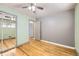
(8, 26)
(13, 19)
(4, 25)
(12, 25)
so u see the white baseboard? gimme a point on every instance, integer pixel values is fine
(58, 44)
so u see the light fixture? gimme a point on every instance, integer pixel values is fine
(32, 8)
(31, 22)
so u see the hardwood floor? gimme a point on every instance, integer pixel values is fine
(40, 48)
(11, 52)
(8, 43)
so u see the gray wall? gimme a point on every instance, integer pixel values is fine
(59, 28)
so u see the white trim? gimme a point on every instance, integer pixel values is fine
(58, 44)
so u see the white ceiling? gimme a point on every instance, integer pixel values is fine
(49, 8)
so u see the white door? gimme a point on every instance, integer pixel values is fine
(37, 30)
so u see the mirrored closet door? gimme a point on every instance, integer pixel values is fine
(0, 35)
(7, 31)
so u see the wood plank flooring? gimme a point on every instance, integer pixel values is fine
(8, 43)
(40, 48)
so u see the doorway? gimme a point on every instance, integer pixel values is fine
(35, 29)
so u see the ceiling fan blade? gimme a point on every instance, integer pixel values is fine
(31, 4)
(25, 7)
(40, 7)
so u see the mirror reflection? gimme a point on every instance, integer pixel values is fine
(8, 26)
(0, 33)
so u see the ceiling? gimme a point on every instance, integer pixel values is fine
(49, 8)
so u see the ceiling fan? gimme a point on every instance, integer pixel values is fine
(33, 7)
